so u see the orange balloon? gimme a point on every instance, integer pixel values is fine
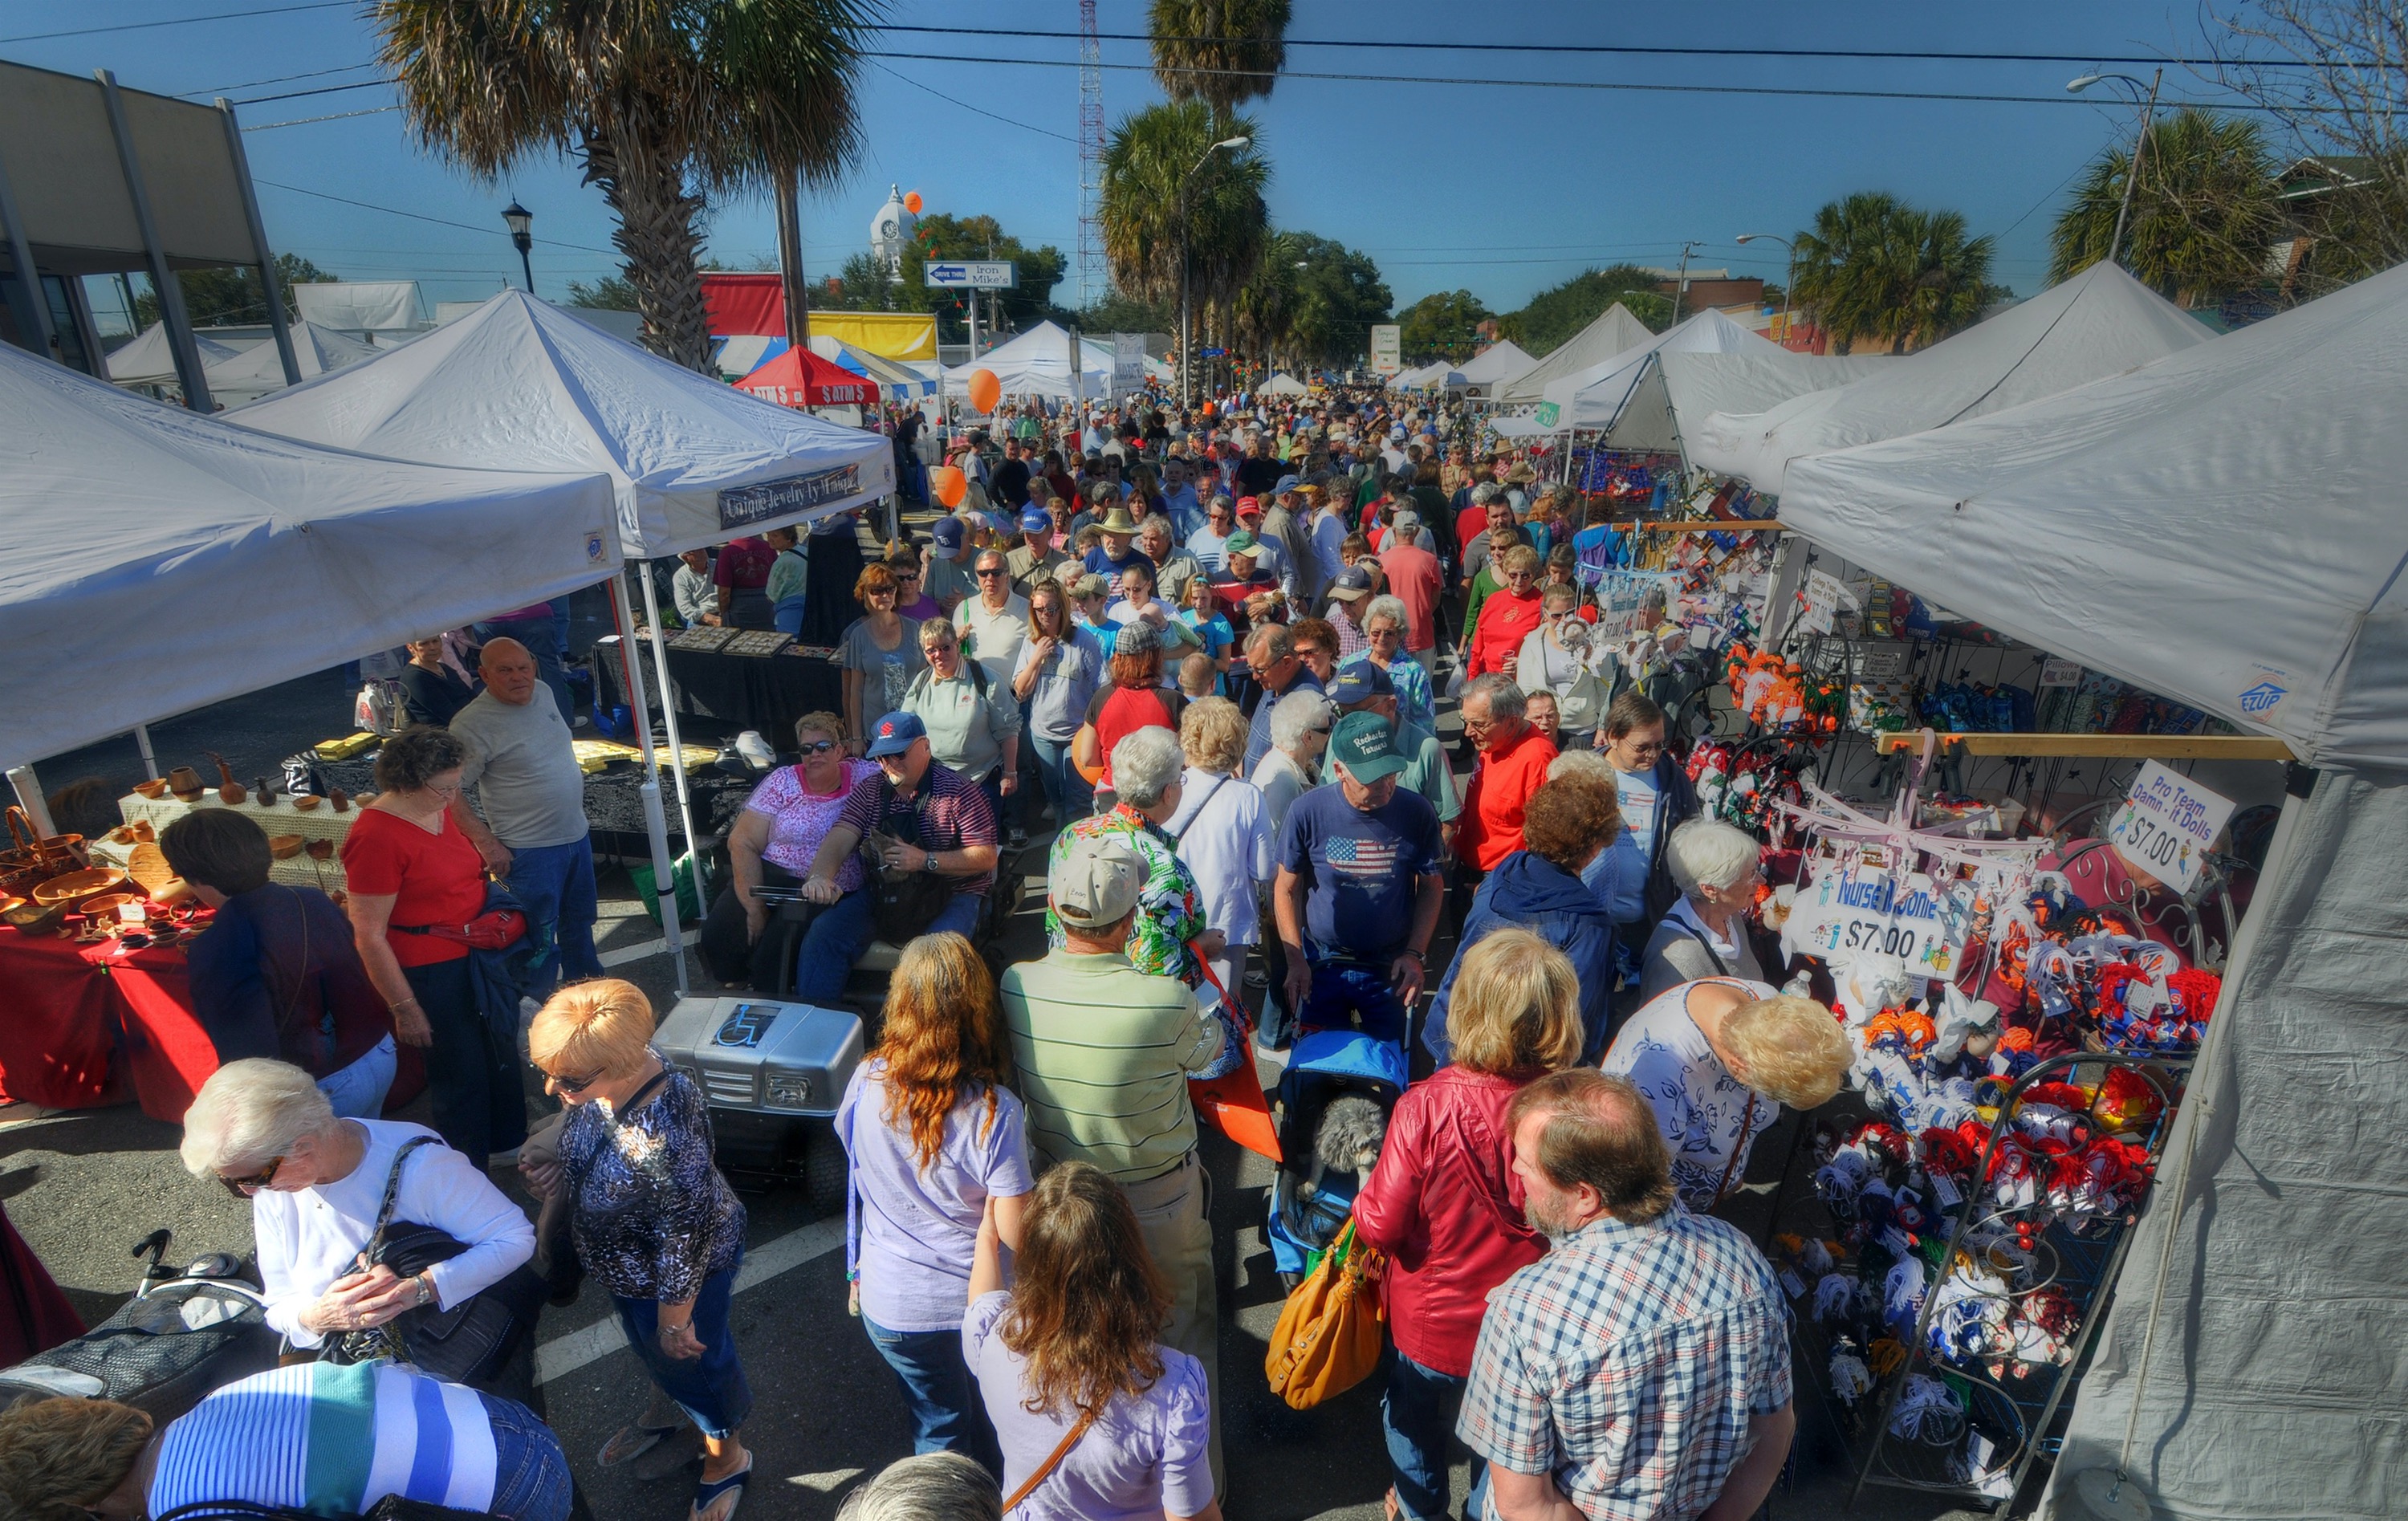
(985, 390)
(912, 202)
(949, 484)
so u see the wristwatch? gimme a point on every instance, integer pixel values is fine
(929, 862)
(425, 1290)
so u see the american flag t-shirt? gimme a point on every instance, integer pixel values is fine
(1358, 857)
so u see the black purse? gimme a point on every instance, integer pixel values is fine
(903, 904)
(465, 1343)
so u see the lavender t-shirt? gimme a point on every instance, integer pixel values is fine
(1143, 1457)
(918, 1227)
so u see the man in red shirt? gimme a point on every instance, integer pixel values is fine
(1513, 760)
(1415, 580)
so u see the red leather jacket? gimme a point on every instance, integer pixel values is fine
(1445, 1207)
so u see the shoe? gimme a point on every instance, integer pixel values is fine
(706, 1497)
(630, 1442)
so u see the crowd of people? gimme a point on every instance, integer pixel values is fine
(1206, 652)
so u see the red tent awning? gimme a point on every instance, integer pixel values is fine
(799, 378)
(745, 304)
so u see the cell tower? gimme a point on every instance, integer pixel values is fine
(1092, 277)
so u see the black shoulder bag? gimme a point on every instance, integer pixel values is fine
(903, 904)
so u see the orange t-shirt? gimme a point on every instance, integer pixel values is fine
(432, 878)
(1490, 828)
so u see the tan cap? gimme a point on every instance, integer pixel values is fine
(1095, 881)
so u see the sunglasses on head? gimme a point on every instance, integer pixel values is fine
(818, 747)
(245, 1188)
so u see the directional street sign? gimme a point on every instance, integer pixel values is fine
(975, 275)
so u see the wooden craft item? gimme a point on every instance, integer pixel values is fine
(185, 783)
(285, 847)
(230, 792)
(148, 867)
(74, 887)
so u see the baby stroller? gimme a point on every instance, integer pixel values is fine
(1331, 1109)
(187, 1330)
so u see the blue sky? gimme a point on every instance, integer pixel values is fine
(1502, 191)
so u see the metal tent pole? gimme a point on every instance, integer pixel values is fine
(149, 761)
(668, 716)
(656, 823)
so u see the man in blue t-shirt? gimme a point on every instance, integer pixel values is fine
(1359, 890)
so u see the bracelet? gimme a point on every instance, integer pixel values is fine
(665, 1330)
(1417, 955)
(396, 1008)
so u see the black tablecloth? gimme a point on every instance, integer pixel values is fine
(766, 692)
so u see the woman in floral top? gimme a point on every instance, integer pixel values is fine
(773, 842)
(1169, 934)
(653, 1219)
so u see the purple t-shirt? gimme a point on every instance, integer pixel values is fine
(1143, 1457)
(918, 1228)
(799, 822)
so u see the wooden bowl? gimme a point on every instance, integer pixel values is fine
(105, 905)
(154, 790)
(304, 801)
(72, 889)
(35, 918)
(285, 847)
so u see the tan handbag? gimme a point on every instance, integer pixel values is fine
(1329, 1334)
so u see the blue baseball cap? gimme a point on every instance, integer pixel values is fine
(893, 734)
(1359, 683)
(948, 535)
(1036, 521)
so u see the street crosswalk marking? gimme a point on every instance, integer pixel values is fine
(565, 1355)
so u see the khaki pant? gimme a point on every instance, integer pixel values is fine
(1170, 1212)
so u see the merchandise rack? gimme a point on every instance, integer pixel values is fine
(2015, 1413)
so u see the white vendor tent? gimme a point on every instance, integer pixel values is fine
(1614, 332)
(1037, 363)
(1494, 366)
(364, 306)
(1438, 375)
(522, 382)
(1283, 384)
(1593, 399)
(895, 382)
(2102, 322)
(692, 463)
(260, 370)
(1680, 389)
(2224, 528)
(153, 561)
(149, 360)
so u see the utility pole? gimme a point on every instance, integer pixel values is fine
(1681, 287)
(2132, 174)
(790, 263)
(1091, 157)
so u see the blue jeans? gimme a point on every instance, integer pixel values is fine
(947, 1415)
(710, 1388)
(531, 1480)
(1064, 788)
(1342, 990)
(843, 931)
(556, 882)
(357, 1091)
(541, 636)
(1417, 1415)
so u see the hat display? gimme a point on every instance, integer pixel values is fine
(946, 537)
(1351, 582)
(1241, 542)
(1366, 745)
(895, 734)
(1360, 683)
(1094, 880)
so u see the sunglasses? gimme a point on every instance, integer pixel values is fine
(573, 1085)
(245, 1188)
(991, 571)
(818, 747)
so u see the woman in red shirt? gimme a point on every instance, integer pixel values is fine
(412, 874)
(1134, 700)
(1507, 616)
(1443, 1203)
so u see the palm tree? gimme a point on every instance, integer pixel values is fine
(1951, 280)
(2203, 215)
(666, 103)
(1150, 156)
(1874, 268)
(1223, 52)
(1268, 305)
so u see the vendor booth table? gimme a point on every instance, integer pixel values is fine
(766, 692)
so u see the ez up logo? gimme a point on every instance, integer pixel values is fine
(2260, 700)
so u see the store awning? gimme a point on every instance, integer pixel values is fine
(799, 378)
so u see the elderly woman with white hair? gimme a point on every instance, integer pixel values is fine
(1704, 934)
(1300, 725)
(1386, 623)
(1717, 1059)
(317, 1183)
(1223, 835)
(1168, 937)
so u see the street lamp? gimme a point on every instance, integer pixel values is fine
(1187, 321)
(2132, 171)
(1788, 286)
(520, 220)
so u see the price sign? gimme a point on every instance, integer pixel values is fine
(2055, 672)
(1854, 907)
(2166, 825)
(1128, 363)
(1819, 602)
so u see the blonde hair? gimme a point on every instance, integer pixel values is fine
(602, 1024)
(1521, 557)
(1789, 1049)
(1212, 735)
(1515, 1006)
(248, 1112)
(60, 1456)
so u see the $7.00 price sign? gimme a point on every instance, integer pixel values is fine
(2166, 825)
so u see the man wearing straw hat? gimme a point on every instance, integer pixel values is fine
(1119, 549)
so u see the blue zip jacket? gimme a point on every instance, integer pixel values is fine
(1556, 906)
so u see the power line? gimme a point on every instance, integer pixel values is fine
(304, 121)
(421, 216)
(1061, 136)
(280, 79)
(181, 20)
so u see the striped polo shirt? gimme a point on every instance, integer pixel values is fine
(1103, 1051)
(330, 1439)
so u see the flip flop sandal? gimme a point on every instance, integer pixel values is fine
(708, 1495)
(631, 1442)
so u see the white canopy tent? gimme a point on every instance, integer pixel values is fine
(894, 382)
(1037, 363)
(692, 463)
(1679, 388)
(156, 561)
(1436, 376)
(149, 361)
(260, 370)
(2102, 322)
(1614, 332)
(1283, 384)
(2223, 527)
(1494, 366)
(362, 305)
(1593, 399)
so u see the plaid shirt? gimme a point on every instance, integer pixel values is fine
(949, 813)
(1626, 1364)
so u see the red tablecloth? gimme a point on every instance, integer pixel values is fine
(82, 1023)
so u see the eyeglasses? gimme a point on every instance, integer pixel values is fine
(245, 1188)
(907, 575)
(1641, 747)
(819, 747)
(573, 1085)
(990, 570)
(1382, 634)
(1520, 578)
